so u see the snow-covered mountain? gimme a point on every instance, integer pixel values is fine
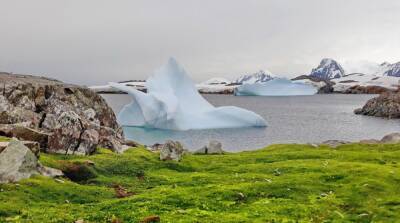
(372, 68)
(328, 69)
(394, 70)
(258, 77)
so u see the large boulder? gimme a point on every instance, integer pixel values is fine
(18, 162)
(213, 147)
(75, 119)
(385, 105)
(171, 151)
(391, 138)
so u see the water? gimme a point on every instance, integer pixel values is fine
(295, 119)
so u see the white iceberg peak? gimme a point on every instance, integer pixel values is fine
(173, 102)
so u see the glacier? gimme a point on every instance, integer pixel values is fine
(276, 87)
(172, 102)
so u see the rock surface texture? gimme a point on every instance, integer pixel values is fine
(18, 162)
(213, 147)
(385, 105)
(71, 119)
(171, 151)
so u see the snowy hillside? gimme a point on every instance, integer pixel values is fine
(347, 81)
(258, 77)
(328, 69)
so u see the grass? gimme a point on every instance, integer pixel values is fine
(281, 183)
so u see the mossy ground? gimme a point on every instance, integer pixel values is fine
(281, 183)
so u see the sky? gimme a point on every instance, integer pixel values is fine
(96, 41)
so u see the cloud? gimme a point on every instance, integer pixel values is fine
(95, 41)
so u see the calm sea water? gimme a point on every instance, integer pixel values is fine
(297, 119)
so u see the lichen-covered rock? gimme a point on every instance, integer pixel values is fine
(22, 132)
(71, 113)
(385, 105)
(171, 151)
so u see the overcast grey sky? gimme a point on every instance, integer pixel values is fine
(96, 41)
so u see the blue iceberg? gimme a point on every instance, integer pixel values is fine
(276, 87)
(173, 102)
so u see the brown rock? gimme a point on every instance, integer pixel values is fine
(151, 219)
(385, 105)
(391, 138)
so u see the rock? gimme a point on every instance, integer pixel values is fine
(21, 132)
(391, 138)
(121, 192)
(335, 143)
(171, 151)
(17, 162)
(131, 143)
(369, 141)
(48, 105)
(385, 105)
(213, 147)
(49, 172)
(66, 138)
(33, 146)
(357, 89)
(151, 219)
(88, 142)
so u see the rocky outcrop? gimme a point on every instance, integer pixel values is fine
(385, 105)
(357, 89)
(324, 86)
(171, 151)
(72, 118)
(18, 162)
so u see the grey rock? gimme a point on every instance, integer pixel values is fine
(369, 141)
(47, 105)
(17, 162)
(391, 138)
(49, 172)
(335, 143)
(33, 146)
(213, 147)
(171, 151)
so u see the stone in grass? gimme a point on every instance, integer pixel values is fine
(171, 151)
(213, 147)
(391, 138)
(335, 143)
(18, 162)
(151, 219)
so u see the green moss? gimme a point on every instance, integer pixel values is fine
(4, 139)
(281, 183)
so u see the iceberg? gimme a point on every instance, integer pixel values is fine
(276, 87)
(172, 102)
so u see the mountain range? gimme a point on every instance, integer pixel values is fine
(330, 69)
